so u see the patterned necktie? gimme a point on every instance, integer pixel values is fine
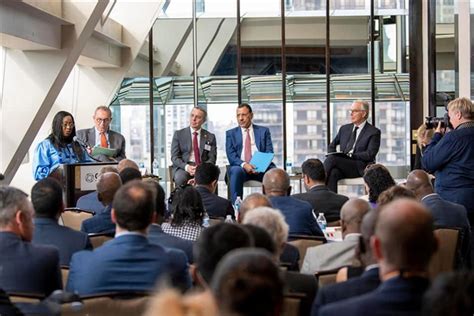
(248, 147)
(351, 142)
(197, 157)
(103, 141)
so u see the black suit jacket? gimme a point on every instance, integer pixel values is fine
(324, 201)
(68, 241)
(367, 282)
(25, 267)
(215, 205)
(157, 236)
(366, 147)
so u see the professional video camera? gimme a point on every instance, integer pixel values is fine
(432, 122)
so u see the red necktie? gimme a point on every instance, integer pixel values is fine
(103, 141)
(197, 157)
(248, 149)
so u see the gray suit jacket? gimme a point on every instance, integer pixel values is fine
(116, 141)
(330, 256)
(181, 147)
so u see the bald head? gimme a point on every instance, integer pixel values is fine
(419, 182)
(251, 202)
(126, 163)
(107, 185)
(352, 213)
(276, 182)
(404, 238)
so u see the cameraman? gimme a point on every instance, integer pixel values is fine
(451, 156)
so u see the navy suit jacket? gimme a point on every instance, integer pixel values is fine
(157, 236)
(100, 223)
(126, 263)
(298, 215)
(67, 240)
(324, 201)
(90, 202)
(25, 267)
(353, 287)
(366, 147)
(396, 296)
(234, 144)
(291, 256)
(215, 205)
(448, 214)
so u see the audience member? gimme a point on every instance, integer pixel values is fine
(90, 201)
(7, 308)
(213, 244)
(156, 234)
(423, 138)
(248, 282)
(107, 185)
(126, 163)
(355, 286)
(377, 179)
(338, 254)
(393, 193)
(24, 267)
(130, 174)
(172, 303)
(298, 214)
(317, 193)
(187, 213)
(47, 199)
(129, 262)
(403, 245)
(445, 213)
(251, 202)
(206, 178)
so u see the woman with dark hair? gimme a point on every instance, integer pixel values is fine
(377, 179)
(58, 148)
(187, 213)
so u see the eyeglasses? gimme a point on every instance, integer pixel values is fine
(66, 125)
(100, 121)
(355, 111)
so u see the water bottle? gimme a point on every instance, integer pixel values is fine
(237, 204)
(156, 167)
(289, 166)
(205, 220)
(228, 219)
(322, 221)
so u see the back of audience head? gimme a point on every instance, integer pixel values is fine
(160, 204)
(367, 230)
(213, 244)
(394, 193)
(377, 179)
(276, 182)
(352, 213)
(186, 206)
(272, 221)
(129, 174)
(108, 169)
(107, 186)
(207, 174)
(133, 206)
(419, 182)
(16, 212)
(47, 198)
(262, 239)
(450, 294)
(247, 282)
(251, 202)
(404, 239)
(313, 172)
(127, 163)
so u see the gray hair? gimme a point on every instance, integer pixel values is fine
(271, 220)
(11, 200)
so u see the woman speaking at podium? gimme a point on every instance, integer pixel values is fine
(58, 148)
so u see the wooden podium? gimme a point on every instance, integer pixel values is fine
(81, 178)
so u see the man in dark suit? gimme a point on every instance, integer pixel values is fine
(24, 267)
(317, 193)
(298, 214)
(359, 142)
(403, 245)
(445, 213)
(47, 199)
(107, 185)
(192, 146)
(157, 236)
(206, 178)
(129, 261)
(101, 135)
(240, 145)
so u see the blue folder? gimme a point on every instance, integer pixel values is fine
(261, 161)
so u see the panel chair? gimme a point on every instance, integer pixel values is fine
(303, 242)
(73, 217)
(247, 184)
(444, 259)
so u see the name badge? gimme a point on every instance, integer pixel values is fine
(207, 147)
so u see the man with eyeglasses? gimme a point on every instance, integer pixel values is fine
(359, 143)
(101, 135)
